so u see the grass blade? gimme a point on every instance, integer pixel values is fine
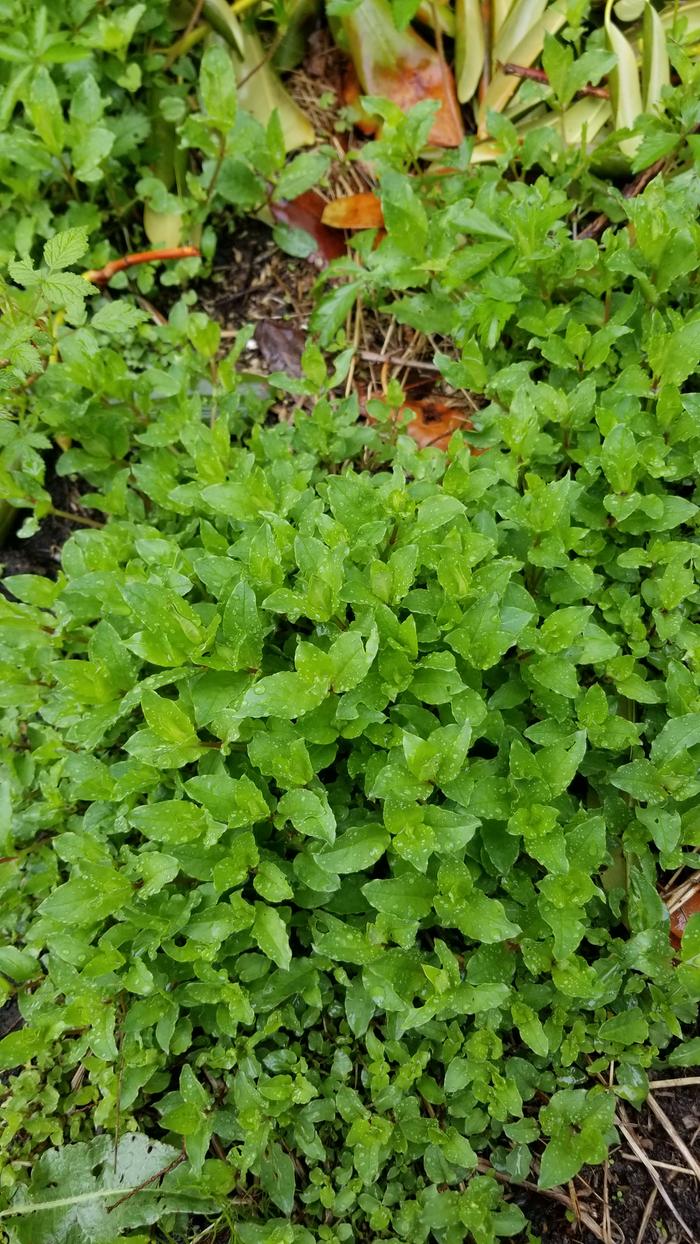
(583, 119)
(504, 85)
(656, 72)
(500, 10)
(470, 47)
(625, 87)
(523, 17)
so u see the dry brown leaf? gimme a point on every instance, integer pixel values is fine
(400, 66)
(680, 917)
(306, 213)
(354, 211)
(434, 421)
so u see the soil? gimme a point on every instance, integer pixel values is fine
(252, 280)
(630, 1187)
(10, 1018)
(41, 553)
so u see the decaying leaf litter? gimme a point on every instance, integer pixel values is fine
(369, 383)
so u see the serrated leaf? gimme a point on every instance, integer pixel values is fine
(117, 317)
(217, 86)
(66, 248)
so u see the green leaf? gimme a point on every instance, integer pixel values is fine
(66, 248)
(355, 850)
(677, 736)
(409, 897)
(166, 719)
(278, 1179)
(309, 813)
(83, 1189)
(404, 214)
(304, 172)
(619, 458)
(560, 1161)
(242, 628)
(67, 291)
(350, 660)
(217, 87)
(270, 933)
(627, 1028)
(88, 899)
(172, 821)
(19, 1047)
(117, 317)
(44, 108)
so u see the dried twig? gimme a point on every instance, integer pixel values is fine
(626, 1129)
(155, 314)
(630, 191)
(371, 357)
(607, 1230)
(648, 1210)
(660, 1166)
(671, 1131)
(551, 1194)
(539, 75)
(681, 1082)
(355, 345)
(181, 1157)
(183, 42)
(688, 889)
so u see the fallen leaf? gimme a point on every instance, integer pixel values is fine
(281, 346)
(350, 95)
(434, 421)
(681, 916)
(354, 211)
(400, 66)
(434, 418)
(305, 212)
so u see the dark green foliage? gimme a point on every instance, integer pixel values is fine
(338, 775)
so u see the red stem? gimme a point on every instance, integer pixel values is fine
(100, 276)
(539, 75)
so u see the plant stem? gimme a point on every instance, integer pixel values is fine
(217, 170)
(76, 518)
(539, 75)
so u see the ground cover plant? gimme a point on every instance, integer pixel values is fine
(345, 775)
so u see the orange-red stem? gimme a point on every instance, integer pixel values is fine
(100, 276)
